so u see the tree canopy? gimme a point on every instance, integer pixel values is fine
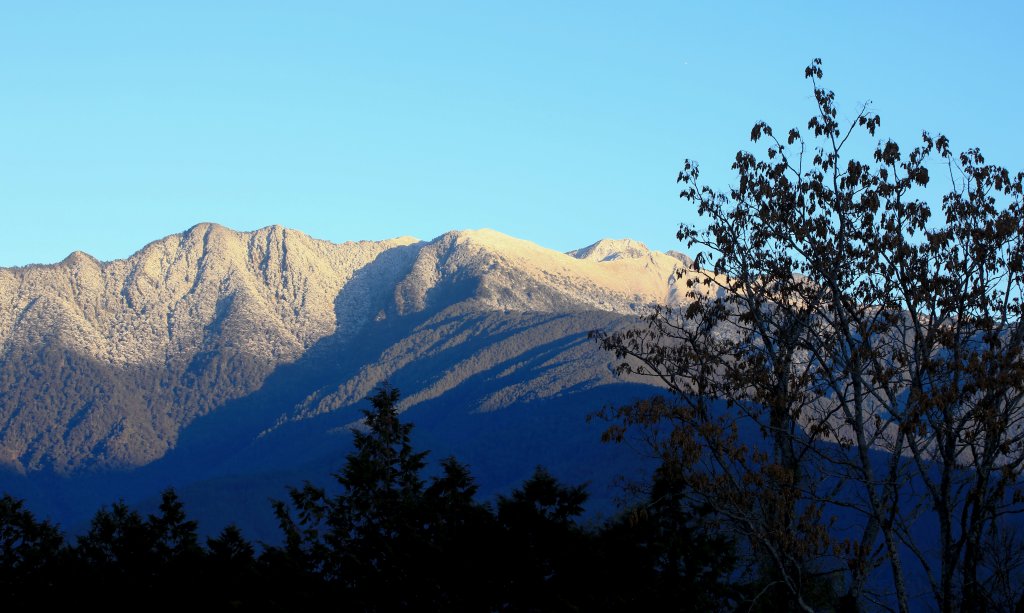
(851, 344)
(385, 536)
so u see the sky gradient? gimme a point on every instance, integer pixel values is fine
(560, 123)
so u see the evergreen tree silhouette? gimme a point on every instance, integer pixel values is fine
(665, 555)
(463, 537)
(232, 579)
(123, 559)
(30, 553)
(547, 553)
(115, 558)
(175, 538)
(363, 542)
(374, 525)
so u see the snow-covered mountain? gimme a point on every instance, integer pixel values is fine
(214, 352)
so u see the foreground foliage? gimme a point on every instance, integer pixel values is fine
(850, 348)
(388, 539)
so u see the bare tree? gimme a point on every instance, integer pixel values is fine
(875, 349)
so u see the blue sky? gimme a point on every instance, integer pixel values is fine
(558, 122)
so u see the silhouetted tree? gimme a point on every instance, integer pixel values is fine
(124, 557)
(230, 549)
(175, 540)
(374, 525)
(462, 541)
(364, 540)
(666, 555)
(30, 554)
(118, 541)
(546, 554)
(389, 540)
(838, 317)
(231, 577)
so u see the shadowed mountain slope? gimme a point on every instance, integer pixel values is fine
(216, 354)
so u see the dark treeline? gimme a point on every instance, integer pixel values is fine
(391, 539)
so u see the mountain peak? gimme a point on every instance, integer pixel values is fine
(79, 258)
(480, 235)
(608, 249)
(205, 226)
(682, 257)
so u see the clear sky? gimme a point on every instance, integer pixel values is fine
(557, 122)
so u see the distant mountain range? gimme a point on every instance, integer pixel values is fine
(231, 363)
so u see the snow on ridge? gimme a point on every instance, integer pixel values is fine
(286, 289)
(519, 275)
(608, 249)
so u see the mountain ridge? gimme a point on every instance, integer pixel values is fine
(104, 364)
